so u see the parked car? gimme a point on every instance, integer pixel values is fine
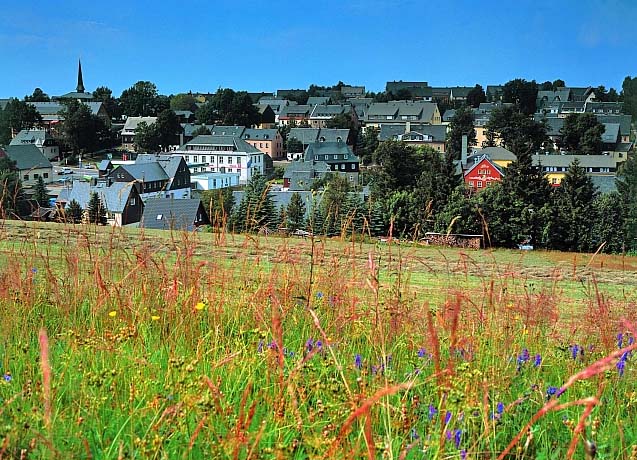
(64, 171)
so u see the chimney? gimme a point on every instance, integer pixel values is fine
(463, 152)
(408, 127)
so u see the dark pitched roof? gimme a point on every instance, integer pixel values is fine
(220, 130)
(114, 196)
(259, 134)
(305, 135)
(145, 171)
(341, 149)
(27, 156)
(171, 214)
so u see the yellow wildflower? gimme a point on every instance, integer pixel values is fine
(200, 306)
(112, 313)
(155, 318)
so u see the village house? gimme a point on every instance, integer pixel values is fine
(433, 136)
(417, 90)
(225, 154)
(30, 163)
(322, 113)
(176, 215)
(123, 204)
(338, 155)
(298, 114)
(481, 173)
(41, 138)
(301, 174)
(401, 112)
(214, 180)
(155, 175)
(128, 131)
(269, 141)
(598, 167)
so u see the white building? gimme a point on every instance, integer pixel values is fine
(214, 180)
(223, 154)
(41, 139)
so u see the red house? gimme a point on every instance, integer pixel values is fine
(482, 174)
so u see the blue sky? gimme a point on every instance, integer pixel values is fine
(262, 46)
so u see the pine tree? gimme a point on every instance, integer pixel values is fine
(257, 209)
(96, 210)
(295, 212)
(40, 195)
(74, 212)
(627, 188)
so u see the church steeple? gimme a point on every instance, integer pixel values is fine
(80, 81)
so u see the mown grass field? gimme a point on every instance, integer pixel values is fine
(129, 344)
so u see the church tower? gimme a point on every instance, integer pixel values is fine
(80, 80)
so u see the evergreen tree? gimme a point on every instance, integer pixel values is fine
(12, 199)
(219, 203)
(96, 210)
(461, 125)
(609, 224)
(257, 209)
(295, 212)
(74, 212)
(315, 222)
(573, 211)
(627, 189)
(41, 195)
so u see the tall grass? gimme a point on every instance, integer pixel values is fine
(131, 344)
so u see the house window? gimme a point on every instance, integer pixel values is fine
(159, 217)
(132, 201)
(35, 176)
(239, 161)
(46, 175)
(220, 160)
(203, 158)
(26, 177)
(353, 166)
(351, 178)
(479, 184)
(554, 181)
(470, 183)
(342, 166)
(229, 160)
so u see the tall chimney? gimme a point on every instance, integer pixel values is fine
(463, 153)
(408, 127)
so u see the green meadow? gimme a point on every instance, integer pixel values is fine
(125, 344)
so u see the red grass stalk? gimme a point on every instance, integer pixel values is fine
(195, 434)
(46, 376)
(596, 368)
(369, 438)
(364, 409)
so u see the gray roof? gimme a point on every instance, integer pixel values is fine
(460, 91)
(449, 114)
(169, 163)
(259, 134)
(114, 196)
(330, 148)
(146, 171)
(190, 128)
(328, 111)
(105, 165)
(397, 109)
(54, 108)
(220, 130)
(611, 133)
(333, 135)
(31, 136)
(313, 100)
(561, 95)
(27, 157)
(305, 135)
(170, 214)
(496, 153)
(302, 173)
(623, 120)
(76, 95)
(393, 131)
(211, 140)
(132, 122)
(296, 110)
(585, 161)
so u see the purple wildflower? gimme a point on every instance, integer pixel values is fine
(34, 270)
(499, 408)
(422, 353)
(576, 350)
(358, 361)
(309, 345)
(414, 434)
(260, 347)
(621, 364)
(432, 411)
(538, 360)
(319, 344)
(447, 417)
(7, 377)
(631, 340)
(550, 391)
(457, 437)
(319, 295)
(463, 454)
(620, 340)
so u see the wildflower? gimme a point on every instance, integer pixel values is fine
(631, 340)
(260, 346)
(575, 351)
(34, 270)
(463, 454)
(499, 408)
(7, 377)
(538, 360)
(309, 344)
(432, 411)
(112, 313)
(620, 340)
(358, 361)
(319, 344)
(621, 364)
(319, 295)
(272, 345)
(155, 318)
(414, 434)
(550, 391)
(422, 353)
(200, 306)
(457, 437)
(447, 417)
